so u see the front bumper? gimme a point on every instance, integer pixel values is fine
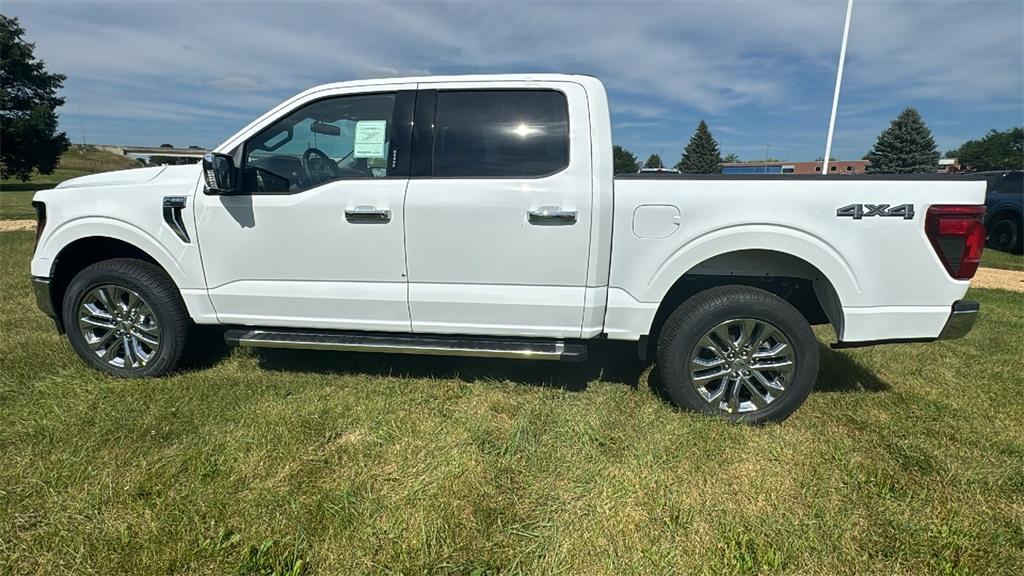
(41, 287)
(961, 320)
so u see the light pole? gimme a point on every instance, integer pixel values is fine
(839, 83)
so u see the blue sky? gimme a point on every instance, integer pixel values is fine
(760, 72)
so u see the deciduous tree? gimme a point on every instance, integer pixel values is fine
(995, 151)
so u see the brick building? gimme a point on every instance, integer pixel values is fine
(834, 167)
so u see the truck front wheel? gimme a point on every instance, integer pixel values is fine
(738, 352)
(126, 317)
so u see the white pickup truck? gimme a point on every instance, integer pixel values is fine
(479, 215)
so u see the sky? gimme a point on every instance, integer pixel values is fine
(759, 72)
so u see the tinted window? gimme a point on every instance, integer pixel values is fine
(510, 133)
(331, 139)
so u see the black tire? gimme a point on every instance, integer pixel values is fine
(162, 299)
(1005, 235)
(725, 306)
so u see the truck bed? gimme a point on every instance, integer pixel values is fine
(881, 270)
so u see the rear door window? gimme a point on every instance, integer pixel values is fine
(500, 133)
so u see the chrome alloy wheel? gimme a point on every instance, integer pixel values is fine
(119, 326)
(742, 365)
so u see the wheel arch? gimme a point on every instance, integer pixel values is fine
(790, 277)
(1005, 211)
(78, 254)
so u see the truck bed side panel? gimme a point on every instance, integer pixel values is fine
(889, 280)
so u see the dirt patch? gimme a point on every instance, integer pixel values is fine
(999, 279)
(15, 225)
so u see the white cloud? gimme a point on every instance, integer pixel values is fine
(235, 84)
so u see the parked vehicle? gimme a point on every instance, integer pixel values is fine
(1004, 199)
(479, 216)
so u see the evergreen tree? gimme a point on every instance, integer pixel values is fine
(653, 161)
(28, 107)
(625, 161)
(905, 147)
(701, 155)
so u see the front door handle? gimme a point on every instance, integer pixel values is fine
(367, 214)
(551, 215)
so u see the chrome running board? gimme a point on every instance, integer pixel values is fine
(432, 344)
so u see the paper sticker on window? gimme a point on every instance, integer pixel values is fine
(369, 141)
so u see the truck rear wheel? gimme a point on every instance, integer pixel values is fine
(125, 317)
(738, 352)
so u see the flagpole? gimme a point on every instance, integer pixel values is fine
(839, 83)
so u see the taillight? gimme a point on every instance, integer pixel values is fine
(957, 232)
(40, 218)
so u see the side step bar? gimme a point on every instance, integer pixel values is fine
(436, 345)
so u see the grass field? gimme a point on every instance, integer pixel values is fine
(16, 196)
(906, 459)
(16, 205)
(996, 259)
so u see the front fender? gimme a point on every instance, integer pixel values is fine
(166, 249)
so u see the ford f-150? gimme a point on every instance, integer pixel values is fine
(479, 215)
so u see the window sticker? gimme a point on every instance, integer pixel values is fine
(369, 141)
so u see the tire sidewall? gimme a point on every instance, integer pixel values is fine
(98, 275)
(676, 374)
(1006, 226)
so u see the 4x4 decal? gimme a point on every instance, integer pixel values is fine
(858, 211)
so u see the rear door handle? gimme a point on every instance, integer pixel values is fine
(367, 214)
(551, 215)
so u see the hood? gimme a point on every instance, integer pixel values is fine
(163, 174)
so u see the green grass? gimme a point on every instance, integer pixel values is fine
(995, 259)
(907, 459)
(16, 196)
(16, 205)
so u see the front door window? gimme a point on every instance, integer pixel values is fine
(338, 138)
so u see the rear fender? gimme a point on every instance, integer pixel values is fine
(814, 250)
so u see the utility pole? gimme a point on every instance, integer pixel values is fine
(767, 156)
(839, 83)
(81, 126)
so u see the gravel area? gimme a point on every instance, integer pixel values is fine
(14, 225)
(999, 279)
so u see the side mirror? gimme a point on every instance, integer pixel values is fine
(220, 174)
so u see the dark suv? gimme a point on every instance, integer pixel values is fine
(1004, 200)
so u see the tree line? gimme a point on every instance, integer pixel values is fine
(905, 147)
